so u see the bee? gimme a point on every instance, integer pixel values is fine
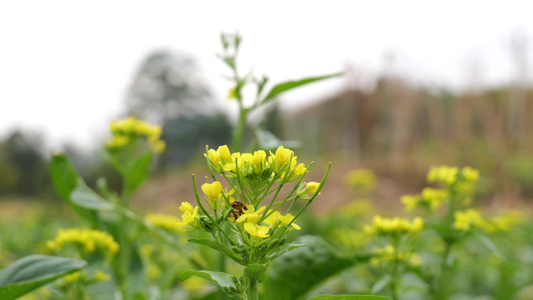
(238, 209)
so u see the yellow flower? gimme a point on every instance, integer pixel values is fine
(283, 156)
(101, 276)
(310, 188)
(444, 174)
(258, 157)
(272, 219)
(257, 231)
(410, 202)
(224, 153)
(470, 174)
(212, 190)
(250, 215)
(188, 218)
(287, 219)
(186, 206)
(464, 220)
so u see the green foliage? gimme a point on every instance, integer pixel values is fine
(296, 273)
(229, 283)
(65, 180)
(283, 87)
(86, 198)
(34, 271)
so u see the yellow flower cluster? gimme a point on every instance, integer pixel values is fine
(166, 222)
(89, 240)
(127, 130)
(255, 164)
(251, 220)
(361, 178)
(450, 175)
(465, 220)
(505, 221)
(394, 226)
(430, 197)
(389, 254)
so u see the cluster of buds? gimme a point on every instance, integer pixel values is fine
(128, 131)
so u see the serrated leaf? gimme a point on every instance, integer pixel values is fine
(293, 275)
(219, 247)
(34, 271)
(138, 172)
(289, 85)
(224, 280)
(83, 196)
(65, 179)
(284, 249)
(349, 297)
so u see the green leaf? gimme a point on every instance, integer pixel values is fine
(65, 179)
(492, 247)
(289, 85)
(296, 273)
(227, 282)
(268, 141)
(84, 197)
(348, 297)
(219, 247)
(138, 172)
(31, 272)
(284, 249)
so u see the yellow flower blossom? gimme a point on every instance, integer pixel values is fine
(250, 215)
(189, 218)
(283, 156)
(287, 219)
(212, 190)
(257, 231)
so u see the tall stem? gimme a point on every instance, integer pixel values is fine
(238, 132)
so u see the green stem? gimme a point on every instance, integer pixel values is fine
(238, 132)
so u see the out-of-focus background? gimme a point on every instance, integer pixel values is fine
(426, 83)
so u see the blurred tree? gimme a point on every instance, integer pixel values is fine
(168, 86)
(26, 169)
(169, 89)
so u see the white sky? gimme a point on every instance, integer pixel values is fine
(65, 66)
